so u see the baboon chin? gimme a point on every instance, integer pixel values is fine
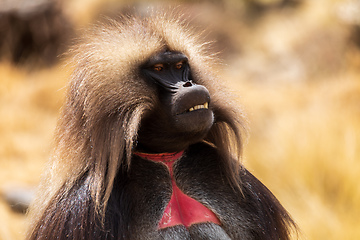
(185, 115)
(148, 145)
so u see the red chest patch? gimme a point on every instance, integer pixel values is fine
(181, 209)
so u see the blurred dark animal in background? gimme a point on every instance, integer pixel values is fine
(33, 32)
(145, 135)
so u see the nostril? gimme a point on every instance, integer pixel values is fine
(187, 84)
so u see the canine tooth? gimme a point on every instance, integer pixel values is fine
(201, 106)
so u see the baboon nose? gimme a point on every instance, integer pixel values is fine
(187, 84)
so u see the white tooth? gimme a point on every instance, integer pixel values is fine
(201, 106)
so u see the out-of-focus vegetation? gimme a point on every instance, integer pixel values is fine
(294, 67)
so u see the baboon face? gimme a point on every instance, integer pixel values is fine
(184, 115)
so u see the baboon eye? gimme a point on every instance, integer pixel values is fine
(158, 67)
(179, 65)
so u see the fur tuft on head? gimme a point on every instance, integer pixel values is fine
(107, 99)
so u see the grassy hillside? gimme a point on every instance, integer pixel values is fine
(296, 74)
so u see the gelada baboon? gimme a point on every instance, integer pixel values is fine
(147, 145)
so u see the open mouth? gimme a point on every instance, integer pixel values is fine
(197, 107)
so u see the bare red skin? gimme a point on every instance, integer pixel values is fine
(181, 209)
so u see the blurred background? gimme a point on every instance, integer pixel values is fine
(292, 65)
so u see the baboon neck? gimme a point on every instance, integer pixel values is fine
(161, 157)
(181, 209)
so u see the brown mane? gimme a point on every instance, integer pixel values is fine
(96, 133)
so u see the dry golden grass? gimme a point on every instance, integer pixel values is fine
(29, 104)
(304, 141)
(305, 146)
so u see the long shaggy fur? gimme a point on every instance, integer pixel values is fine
(97, 132)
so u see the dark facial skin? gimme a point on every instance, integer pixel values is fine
(184, 116)
(168, 69)
(101, 188)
